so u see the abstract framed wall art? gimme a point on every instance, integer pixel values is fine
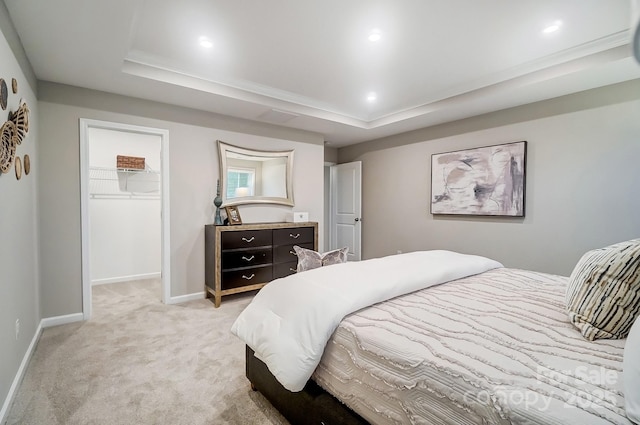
(486, 181)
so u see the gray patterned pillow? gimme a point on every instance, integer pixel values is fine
(309, 259)
(603, 294)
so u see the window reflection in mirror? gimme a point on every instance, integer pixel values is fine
(252, 176)
(240, 181)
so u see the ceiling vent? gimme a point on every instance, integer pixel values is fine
(276, 116)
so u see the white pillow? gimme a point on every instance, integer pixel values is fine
(631, 373)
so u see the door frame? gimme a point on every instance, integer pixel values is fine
(333, 191)
(165, 261)
(326, 236)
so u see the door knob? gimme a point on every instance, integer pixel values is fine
(358, 219)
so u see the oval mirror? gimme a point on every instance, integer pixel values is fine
(249, 176)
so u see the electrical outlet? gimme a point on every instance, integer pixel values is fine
(17, 328)
(398, 252)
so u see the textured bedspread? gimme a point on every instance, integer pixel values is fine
(290, 320)
(492, 348)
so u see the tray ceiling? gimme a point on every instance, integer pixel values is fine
(311, 65)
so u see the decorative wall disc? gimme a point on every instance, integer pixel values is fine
(20, 119)
(18, 168)
(4, 93)
(14, 85)
(26, 163)
(7, 146)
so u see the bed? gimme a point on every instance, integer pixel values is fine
(492, 346)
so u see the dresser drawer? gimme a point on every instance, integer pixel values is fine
(284, 269)
(286, 253)
(293, 236)
(246, 239)
(246, 258)
(248, 276)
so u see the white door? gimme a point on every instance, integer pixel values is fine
(346, 208)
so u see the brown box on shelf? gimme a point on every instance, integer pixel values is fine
(130, 162)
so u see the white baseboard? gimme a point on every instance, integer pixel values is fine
(61, 320)
(44, 323)
(20, 374)
(125, 278)
(185, 298)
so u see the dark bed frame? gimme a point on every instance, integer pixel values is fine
(312, 405)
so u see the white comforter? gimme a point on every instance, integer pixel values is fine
(290, 320)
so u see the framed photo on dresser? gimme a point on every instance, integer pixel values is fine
(233, 215)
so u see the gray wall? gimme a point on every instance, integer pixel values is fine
(19, 292)
(193, 173)
(330, 154)
(330, 157)
(581, 183)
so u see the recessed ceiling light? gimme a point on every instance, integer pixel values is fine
(205, 42)
(371, 97)
(552, 28)
(375, 35)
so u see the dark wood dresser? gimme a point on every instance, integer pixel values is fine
(248, 256)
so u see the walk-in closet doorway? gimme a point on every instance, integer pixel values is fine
(125, 206)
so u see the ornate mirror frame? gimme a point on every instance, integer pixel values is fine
(226, 154)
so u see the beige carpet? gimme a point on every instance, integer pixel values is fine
(138, 361)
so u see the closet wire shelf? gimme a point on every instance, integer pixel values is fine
(119, 183)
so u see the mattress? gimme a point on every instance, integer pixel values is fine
(492, 348)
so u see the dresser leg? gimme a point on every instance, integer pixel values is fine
(217, 300)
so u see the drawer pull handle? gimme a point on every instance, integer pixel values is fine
(248, 277)
(293, 253)
(249, 240)
(248, 259)
(296, 236)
